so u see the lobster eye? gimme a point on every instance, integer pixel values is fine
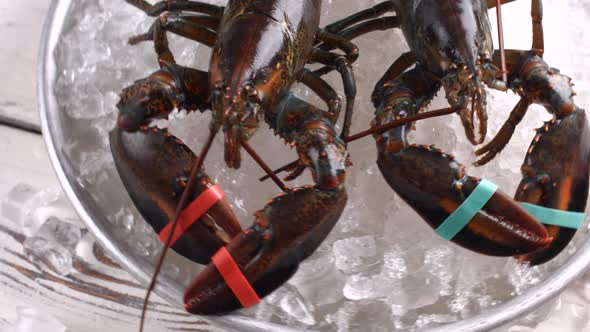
(449, 51)
(430, 36)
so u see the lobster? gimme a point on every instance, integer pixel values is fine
(260, 48)
(451, 47)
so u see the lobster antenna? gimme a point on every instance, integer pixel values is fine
(264, 166)
(279, 170)
(374, 130)
(501, 41)
(181, 205)
(397, 123)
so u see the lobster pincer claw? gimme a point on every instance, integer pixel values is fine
(555, 179)
(285, 232)
(154, 167)
(438, 189)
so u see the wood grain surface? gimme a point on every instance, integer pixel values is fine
(20, 31)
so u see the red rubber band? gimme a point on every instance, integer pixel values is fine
(234, 278)
(192, 213)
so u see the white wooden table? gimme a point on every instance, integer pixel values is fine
(89, 300)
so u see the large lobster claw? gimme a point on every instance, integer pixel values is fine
(556, 172)
(154, 166)
(435, 185)
(284, 233)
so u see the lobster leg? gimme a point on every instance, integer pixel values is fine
(535, 82)
(403, 63)
(351, 51)
(176, 5)
(435, 185)
(201, 22)
(382, 23)
(291, 226)
(343, 66)
(345, 36)
(499, 142)
(180, 24)
(324, 91)
(363, 15)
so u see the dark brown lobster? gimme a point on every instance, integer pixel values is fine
(260, 48)
(451, 46)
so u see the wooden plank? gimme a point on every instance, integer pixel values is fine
(21, 23)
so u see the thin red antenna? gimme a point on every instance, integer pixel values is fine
(280, 170)
(501, 41)
(264, 166)
(374, 130)
(181, 205)
(397, 123)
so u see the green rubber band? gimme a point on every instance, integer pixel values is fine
(553, 217)
(467, 210)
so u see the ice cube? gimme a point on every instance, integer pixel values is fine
(388, 281)
(146, 242)
(34, 320)
(541, 314)
(344, 317)
(576, 307)
(53, 245)
(12, 204)
(522, 275)
(440, 263)
(43, 205)
(417, 291)
(565, 317)
(318, 280)
(288, 300)
(48, 255)
(358, 316)
(360, 287)
(295, 306)
(123, 219)
(59, 232)
(355, 254)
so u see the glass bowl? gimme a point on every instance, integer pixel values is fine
(129, 240)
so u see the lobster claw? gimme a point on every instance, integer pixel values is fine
(435, 186)
(154, 166)
(285, 232)
(556, 174)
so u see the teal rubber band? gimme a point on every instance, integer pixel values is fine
(466, 211)
(553, 217)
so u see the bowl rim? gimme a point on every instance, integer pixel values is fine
(501, 314)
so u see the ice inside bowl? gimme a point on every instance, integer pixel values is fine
(381, 267)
